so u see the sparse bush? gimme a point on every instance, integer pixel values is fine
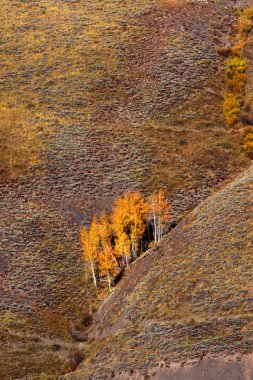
(231, 109)
(86, 319)
(153, 244)
(79, 336)
(247, 143)
(246, 21)
(186, 227)
(237, 63)
(247, 27)
(191, 322)
(236, 77)
(76, 356)
(237, 48)
(236, 80)
(55, 347)
(224, 51)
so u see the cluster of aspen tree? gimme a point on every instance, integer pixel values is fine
(111, 243)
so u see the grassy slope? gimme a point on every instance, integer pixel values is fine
(123, 98)
(190, 296)
(248, 48)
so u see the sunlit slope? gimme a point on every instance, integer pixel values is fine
(189, 297)
(149, 68)
(113, 96)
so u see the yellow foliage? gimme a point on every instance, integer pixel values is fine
(245, 25)
(129, 216)
(238, 47)
(236, 83)
(104, 230)
(94, 237)
(90, 244)
(110, 244)
(248, 143)
(237, 63)
(236, 77)
(231, 109)
(107, 263)
(159, 212)
(246, 21)
(122, 245)
(236, 80)
(85, 241)
(236, 68)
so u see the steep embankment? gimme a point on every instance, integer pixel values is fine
(188, 299)
(122, 96)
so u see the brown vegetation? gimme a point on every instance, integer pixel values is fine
(247, 142)
(235, 81)
(19, 144)
(118, 99)
(189, 297)
(237, 66)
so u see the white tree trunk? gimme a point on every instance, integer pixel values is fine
(159, 229)
(109, 281)
(113, 257)
(93, 273)
(134, 251)
(155, 228)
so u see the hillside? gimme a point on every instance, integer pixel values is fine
(188, 299)
(98, 98)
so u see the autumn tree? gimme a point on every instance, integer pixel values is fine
(105, 233)
(110, 244)
(119, 219)
(123, 246)
(90, 245)
(107, 265)
(138, 210)
(128, 220)
(159, 209)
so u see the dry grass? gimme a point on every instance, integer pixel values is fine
(236, 71)
(98, 100)
(76, 63)
(192, 294)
